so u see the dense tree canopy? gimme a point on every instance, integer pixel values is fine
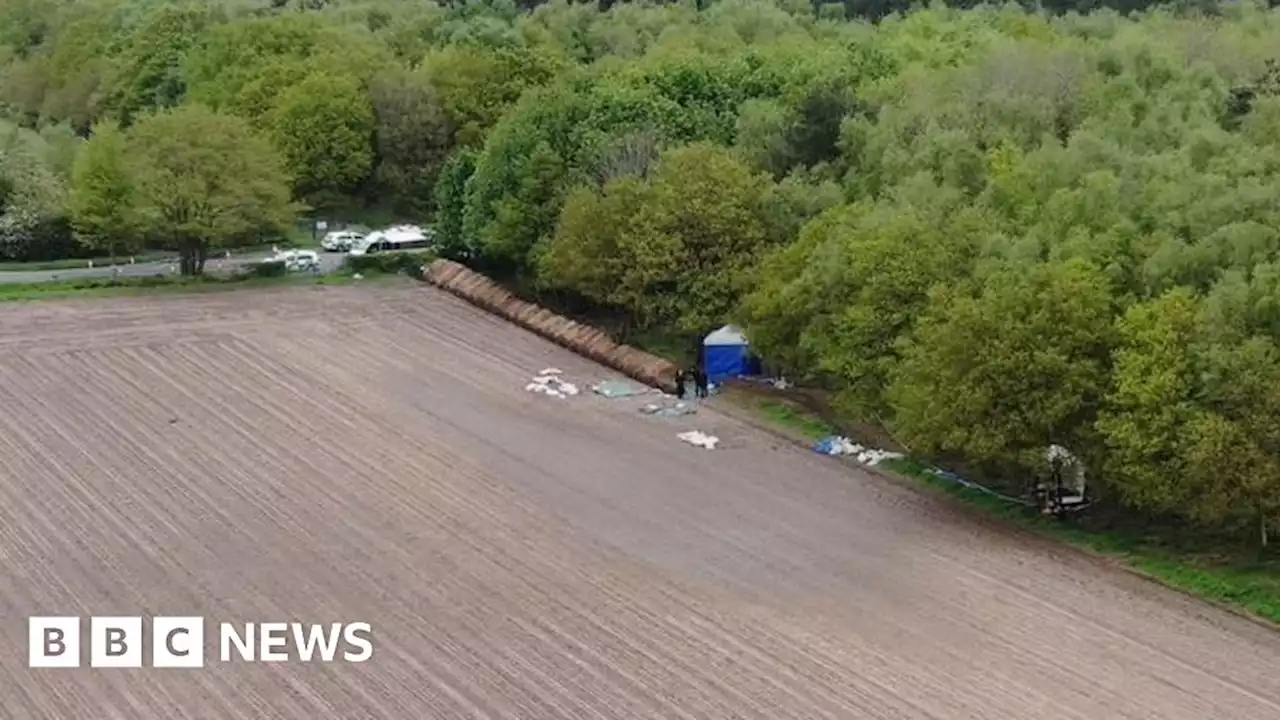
(999, 377)
(987, 228)
(104, 205)
(676, 248)
(32, 199)
(324, 126)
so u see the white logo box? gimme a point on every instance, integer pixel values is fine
(115, 642)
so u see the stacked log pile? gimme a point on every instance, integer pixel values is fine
(582, 339)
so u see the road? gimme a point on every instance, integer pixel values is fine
(370, 454)
(328, 263)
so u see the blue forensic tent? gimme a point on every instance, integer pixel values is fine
(725, 354)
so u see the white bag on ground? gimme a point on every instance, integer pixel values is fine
(701, 439)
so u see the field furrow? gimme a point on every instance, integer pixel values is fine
(349, 454)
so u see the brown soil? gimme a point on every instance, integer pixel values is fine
(344, 454)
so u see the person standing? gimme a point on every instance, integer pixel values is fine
(680, 377)
(700, 381)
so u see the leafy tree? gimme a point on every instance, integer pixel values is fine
(148, 75)
(324, 128)
(1236, 462)
(514, 194)
(26, 24)
(23, 85)
(780, 138)
(999, 377)
(833, 306)
(414, 137)
(207, 180)
(259, 96)
(679, 249)
(451, 198)
(81, 66)
(762, 135)
(557, 138)
(241, 64)
(235, 54)
(103, 201)
(475, 85)
(1151, 403)
(799, 198)
(1242, 97)
(32, 222)
(61, 146)
(1190, 421)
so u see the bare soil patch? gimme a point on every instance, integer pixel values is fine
(342, 453)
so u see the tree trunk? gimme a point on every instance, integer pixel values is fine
(1262, 526)
(186, 258)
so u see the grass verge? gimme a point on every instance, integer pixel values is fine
(664, 345)
(394, 263)
(295, 239)
(75, 263)
(1222, 574)
(105, 287)
(374, 268)
(298, 241)
(793, 419)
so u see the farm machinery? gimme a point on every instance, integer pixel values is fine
(1063, 491)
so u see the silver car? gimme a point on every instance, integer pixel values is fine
(341, 240)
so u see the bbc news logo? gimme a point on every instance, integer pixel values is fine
(179, 642)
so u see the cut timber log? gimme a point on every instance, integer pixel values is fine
(585, 340)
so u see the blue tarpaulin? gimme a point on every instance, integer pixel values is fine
(827, 445)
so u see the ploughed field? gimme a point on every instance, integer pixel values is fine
(348, 454)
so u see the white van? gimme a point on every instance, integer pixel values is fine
(399, 237)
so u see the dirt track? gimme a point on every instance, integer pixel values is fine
(343, 454)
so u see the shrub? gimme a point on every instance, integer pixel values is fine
(150, 281)
(268, 268)
(409, 263)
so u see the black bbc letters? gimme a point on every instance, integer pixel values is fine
(54, 644)
(116, 645)
(115, 641)
(168, 641)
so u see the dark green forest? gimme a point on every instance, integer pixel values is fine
(987, 229)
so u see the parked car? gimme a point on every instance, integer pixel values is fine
(295, 260)
(341, 240)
